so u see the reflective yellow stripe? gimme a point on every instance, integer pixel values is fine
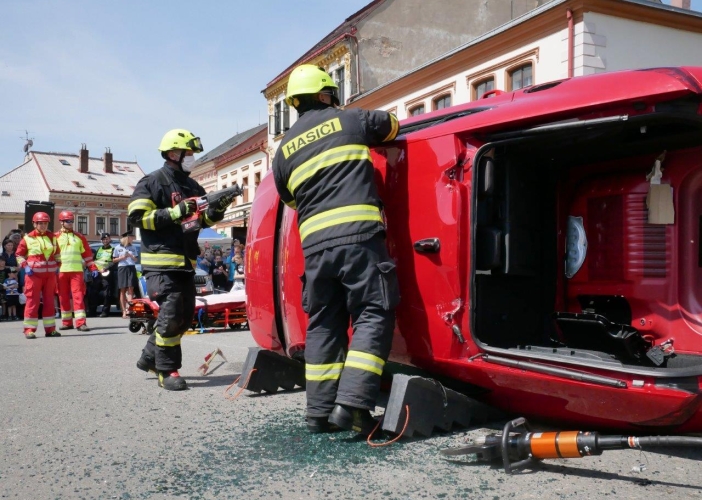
(394, 129)
(31, 322)
(149, 220)
(365, 361)
(208, 221)
(66, 314)
(141, 204)
(331, 371)
(49, 322)
(162, 259)
(323, 160)
(166, 341)
(351, 213)
(291, 204)
(79, 314)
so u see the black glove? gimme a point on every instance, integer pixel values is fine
(227, 200)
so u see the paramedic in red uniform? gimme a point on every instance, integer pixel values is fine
(38, 254)
(75, 252)
(323, 170)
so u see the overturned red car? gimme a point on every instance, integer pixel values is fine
(548, 250)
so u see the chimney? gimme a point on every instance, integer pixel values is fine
(680, 4)
(83, 159)
(107, 161)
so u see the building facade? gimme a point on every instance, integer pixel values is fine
(557, 40)
(242, 160)
(385, 40)
(386, 57)
(96, 190)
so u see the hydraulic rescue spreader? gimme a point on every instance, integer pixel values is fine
(522, 449)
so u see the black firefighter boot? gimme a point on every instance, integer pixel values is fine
(146, 363)
(353, 419)
(319, 425)
(172, 381)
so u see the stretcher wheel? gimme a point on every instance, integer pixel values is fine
(134, 326)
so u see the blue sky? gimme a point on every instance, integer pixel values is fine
(122, 73)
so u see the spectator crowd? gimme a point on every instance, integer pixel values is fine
(225, 266)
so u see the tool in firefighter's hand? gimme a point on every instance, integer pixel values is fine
(519, 450)
(204, 368)
(218, 200)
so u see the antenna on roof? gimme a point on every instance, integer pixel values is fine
(28, 142)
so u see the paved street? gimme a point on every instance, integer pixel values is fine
(78, 420)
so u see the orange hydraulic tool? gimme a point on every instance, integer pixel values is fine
(523, 449)
(204, 368)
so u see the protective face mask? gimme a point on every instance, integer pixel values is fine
(187, 163)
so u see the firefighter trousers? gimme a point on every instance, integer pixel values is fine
(39, 287)
(355, 282)
(174, 291)
(72, 286)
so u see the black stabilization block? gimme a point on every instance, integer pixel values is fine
(431, 405)
(272, 371)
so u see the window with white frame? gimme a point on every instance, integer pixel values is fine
(82, 221)
(339, 77)
(114, 225)
(99, 225)
(279, 121)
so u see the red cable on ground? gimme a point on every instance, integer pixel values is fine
(396, 438)
(232, 398)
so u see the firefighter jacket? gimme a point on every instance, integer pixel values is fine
(103, 257)
(323, 169)
(39, 251)
(164, 246)
(75, 252)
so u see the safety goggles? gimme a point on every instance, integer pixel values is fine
(195, 145)
(334, 93)
(68, 221)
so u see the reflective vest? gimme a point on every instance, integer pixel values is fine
(103, 258)
(74, 252)
(323, 169)
(39, 251)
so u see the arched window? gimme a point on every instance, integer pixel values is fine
(417, 110)
(482, 86)
(521, 76)
(441, 102)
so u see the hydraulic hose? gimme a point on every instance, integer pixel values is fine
(645, 442)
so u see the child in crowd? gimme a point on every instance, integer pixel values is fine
(238, 264)
(218, 270)
(12, 295)
(3, 276)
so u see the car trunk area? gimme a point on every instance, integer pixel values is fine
(565, 261)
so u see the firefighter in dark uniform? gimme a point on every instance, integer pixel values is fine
(323, 170)
(160, 202)
(105, 281)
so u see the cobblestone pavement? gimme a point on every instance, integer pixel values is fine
(78, 420)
